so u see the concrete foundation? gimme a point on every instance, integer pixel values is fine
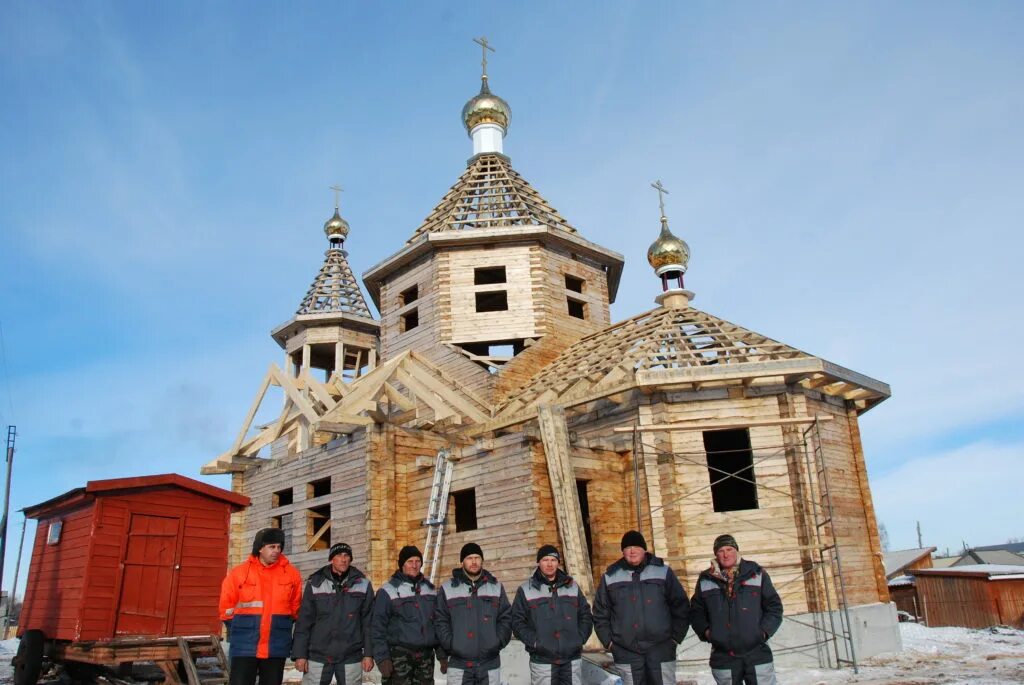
(875, 630)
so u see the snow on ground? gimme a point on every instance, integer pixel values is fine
(930, 656)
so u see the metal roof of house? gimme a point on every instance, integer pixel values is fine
(896, 561)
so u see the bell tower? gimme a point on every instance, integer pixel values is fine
(495, 282)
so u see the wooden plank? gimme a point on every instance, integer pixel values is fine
(721, 425)
(555, 436)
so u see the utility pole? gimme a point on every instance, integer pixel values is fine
(12, 433)
(14, 586)
(919, 543)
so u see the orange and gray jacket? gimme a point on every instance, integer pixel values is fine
(474, 620)
(334, 619)
(640, 607)
(740, 625)
(403, 615)
(552, 619)
(258, 604)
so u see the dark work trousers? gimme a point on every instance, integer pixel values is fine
(411, 666)
(656, 666)
(245, 670)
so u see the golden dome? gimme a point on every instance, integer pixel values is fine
(484, 108)
(336, 225)
(667, 252)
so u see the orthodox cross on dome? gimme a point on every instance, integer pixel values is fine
(337, 195)
(662, 192)
(484, 47)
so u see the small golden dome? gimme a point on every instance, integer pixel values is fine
(336, 225)
(667, 252)
(486, 108)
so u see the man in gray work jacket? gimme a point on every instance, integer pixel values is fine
(474, 621)
(332, 634)
(551, 617)
(737, 609)
(641, 614)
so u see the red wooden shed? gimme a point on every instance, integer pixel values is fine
(138, 556)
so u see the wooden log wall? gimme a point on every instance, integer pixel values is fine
(855, 526)
(344, 462)
(461, 323)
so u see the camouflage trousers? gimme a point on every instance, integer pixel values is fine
(412, 667)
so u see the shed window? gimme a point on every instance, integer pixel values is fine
(731, 470)
(318, 488)
(282, 498)
(53, 532)
(489, 275)
(493, 301)
(465, 510)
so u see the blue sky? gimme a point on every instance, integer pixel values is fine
(848, 177)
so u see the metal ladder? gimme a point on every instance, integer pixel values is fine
(437, 512)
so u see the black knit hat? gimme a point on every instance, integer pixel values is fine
(407, 553)
(339, 548)
(725, 541)
(267, 536)
(548, 551)
(470, 548)
(633, 539)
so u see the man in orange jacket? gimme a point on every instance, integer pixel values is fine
(259, 601)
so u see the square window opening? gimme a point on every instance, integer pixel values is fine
(489, 275)
(409, 295)
(282, 498)
(284, 522)
(495, 301)
(731, 470)
(318, 488)
(465, 510)
(577, 309)
(410, 320)
(574, 284)
(318, 528)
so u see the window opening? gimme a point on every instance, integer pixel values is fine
(577, 309)
(574, 284)
(282, 498)
(410, 320)
(493, 301)
(318, 528)
(465, 509)
(318, 488)
(284, 523)
(730, 469)
(409, 295)
(488, 275)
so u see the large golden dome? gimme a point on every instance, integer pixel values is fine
(484, 108)
(667, 252)
(336, 225)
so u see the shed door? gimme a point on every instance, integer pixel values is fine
(148, 574)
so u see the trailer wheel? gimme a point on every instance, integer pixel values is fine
(28, 662)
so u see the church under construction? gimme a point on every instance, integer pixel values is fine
(495, 401)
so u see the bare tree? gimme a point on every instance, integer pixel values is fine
(883, 536)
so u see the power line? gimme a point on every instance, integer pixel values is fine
(7, 376)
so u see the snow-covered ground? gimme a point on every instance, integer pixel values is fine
(930, 656)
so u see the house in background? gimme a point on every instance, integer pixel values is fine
(972, 596)
(898, 565)
(1010, 553)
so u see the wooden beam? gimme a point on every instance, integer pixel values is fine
(257, 401)
(319, 534)
(450, 395)
(558, 454)
(721, 425)
(294, 394)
